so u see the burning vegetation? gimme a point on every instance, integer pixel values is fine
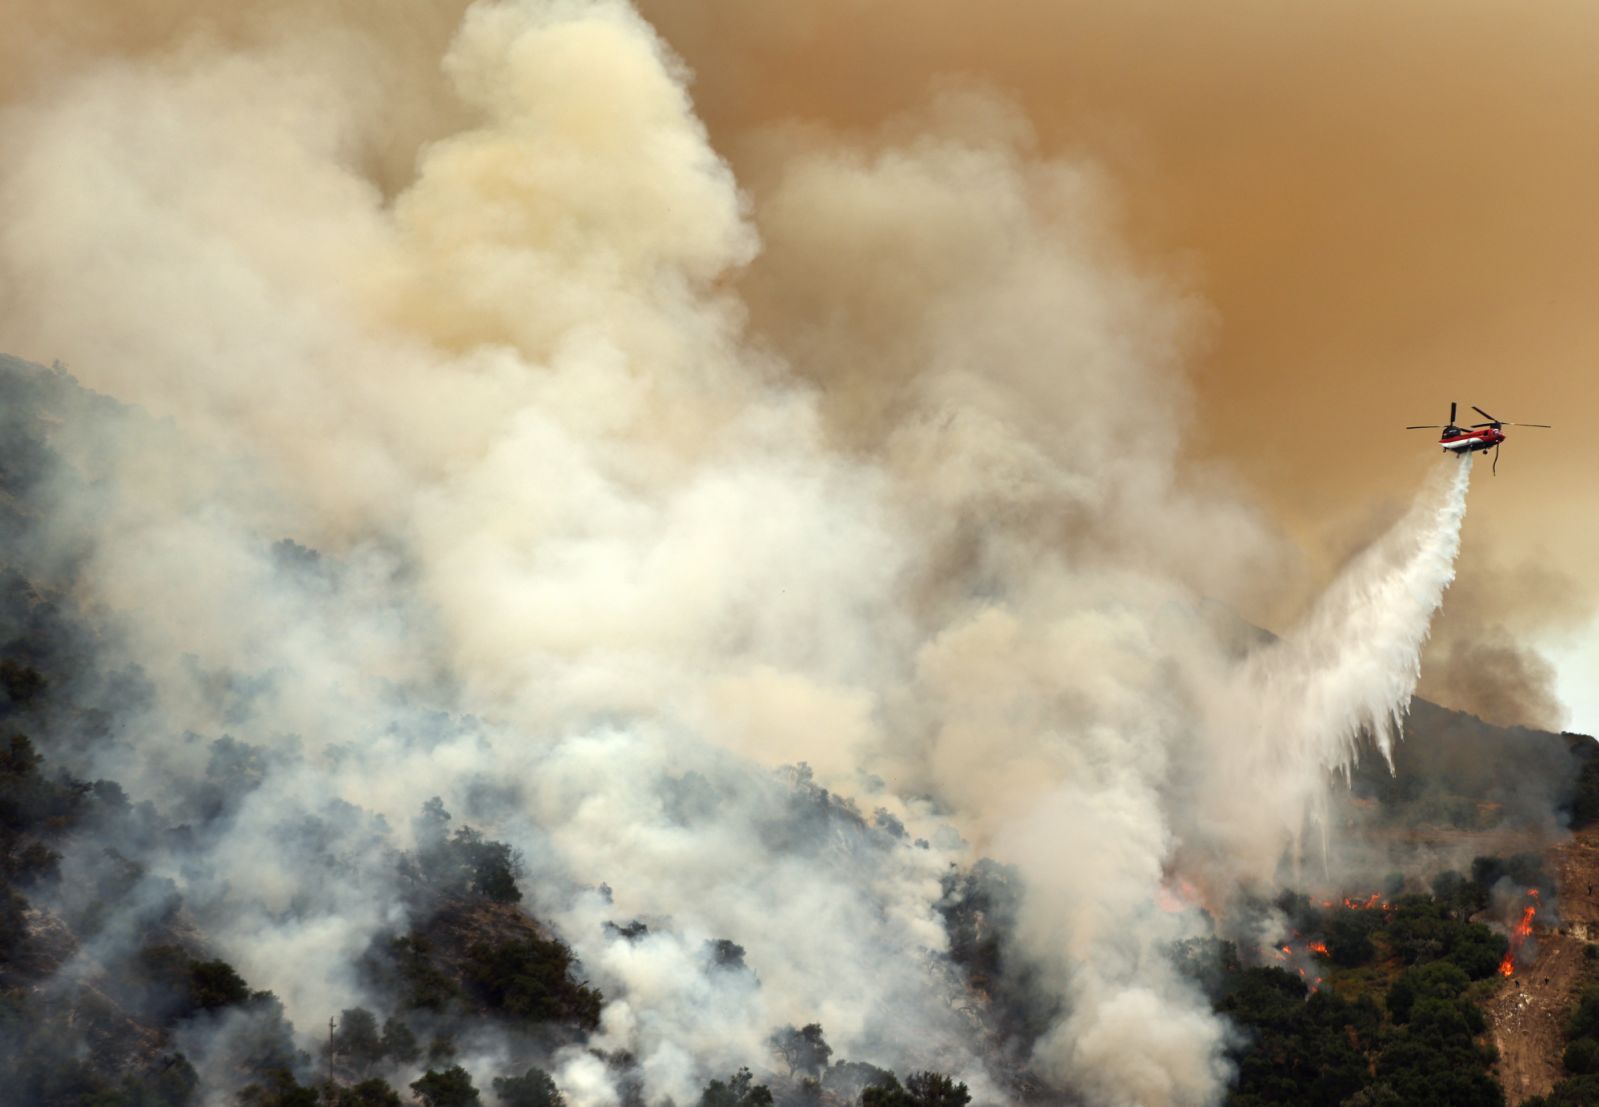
(1519, 933)
(1372, 997)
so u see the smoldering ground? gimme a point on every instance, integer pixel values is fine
(467, 478)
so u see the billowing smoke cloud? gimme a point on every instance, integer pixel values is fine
(1480, 660)
(1499, 681)
(609, 493)
(1375, 243)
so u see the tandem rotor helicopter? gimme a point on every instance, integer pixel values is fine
(1478, 436)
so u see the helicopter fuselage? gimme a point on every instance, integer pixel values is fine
(1458, 440)
(1463, 441)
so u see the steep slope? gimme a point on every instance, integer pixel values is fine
(1529, 1015)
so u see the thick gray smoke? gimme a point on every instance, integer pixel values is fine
(592, 561)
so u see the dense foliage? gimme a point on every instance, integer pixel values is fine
(1393, 1018)
(533, 1088)
(921, 1089)
(739, 1090)
(112, 1042)
(531, 979)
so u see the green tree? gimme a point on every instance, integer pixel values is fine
(13, 926)
(530, 979)
(464, 861)
(1584, 1021)
(441, 1048)
(1435, 980)
(1349, 937)
(1582, 1057)
(214, 985)
(888, 1092)
(431, 826)
(1458, 894)
(399, 1044)
(1300, 1050)
(805, 1051)
(278, 1089)
(1432, 1059)
(1578, 1091)
(450, 1088)
(489, 867)
(1422, 929)
(422, 984)
(931, 1089)
(846, 1080)
(20, 684)
(739, 1090)
(533, 1088)
(368, 1093)
(921, 1089)
(356, 1042)
(170, 984)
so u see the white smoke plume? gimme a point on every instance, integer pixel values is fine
(629, 487)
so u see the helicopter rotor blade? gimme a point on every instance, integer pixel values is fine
(1484, 414)
(1545, 426)
(1425, 426)
(1451, 413)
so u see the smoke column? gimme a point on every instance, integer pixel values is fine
(1227, 765)
(624, 495)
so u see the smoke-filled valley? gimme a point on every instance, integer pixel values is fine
(478, 575)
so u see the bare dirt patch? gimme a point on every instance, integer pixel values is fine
(1528, 1016)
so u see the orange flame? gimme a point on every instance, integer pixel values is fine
(1319, 947)
(1519, 934)
(1177, 894)
(1374, 900)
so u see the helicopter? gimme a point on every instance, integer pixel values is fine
(1479, 436)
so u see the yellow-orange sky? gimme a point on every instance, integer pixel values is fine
(1388, 206)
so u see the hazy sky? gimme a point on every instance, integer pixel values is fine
(1386, 206)
(1382, 207)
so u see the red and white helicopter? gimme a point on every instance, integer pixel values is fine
(1479, 436)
